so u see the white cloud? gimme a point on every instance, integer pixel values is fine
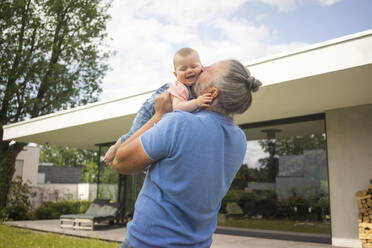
(282, 5)
(146, 34)
(328, 2)
(290, 5)
(261, 17)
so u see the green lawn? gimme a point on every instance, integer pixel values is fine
(11, 237)
(276, 225)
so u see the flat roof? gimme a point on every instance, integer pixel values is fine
(311, 80)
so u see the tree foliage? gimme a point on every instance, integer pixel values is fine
(66, 156)
(52, 57)
(295, 145)
(241, 178)
(89, 173)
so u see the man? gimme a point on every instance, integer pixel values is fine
(194, 160)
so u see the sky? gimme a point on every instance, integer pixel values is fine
(145, 34)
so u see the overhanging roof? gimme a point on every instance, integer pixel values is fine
(329, 75)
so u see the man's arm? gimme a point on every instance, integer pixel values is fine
(130, 156)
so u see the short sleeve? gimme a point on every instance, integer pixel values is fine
(179, 90)
(159, 141)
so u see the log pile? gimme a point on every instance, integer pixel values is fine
(364, 198)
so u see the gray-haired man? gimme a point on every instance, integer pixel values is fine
(195, 158)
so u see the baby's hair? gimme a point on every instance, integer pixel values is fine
(184, 52)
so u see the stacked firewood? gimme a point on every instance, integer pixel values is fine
(365, 216)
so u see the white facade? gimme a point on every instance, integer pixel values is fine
(26, 164)
(349, 134)
(62, 191)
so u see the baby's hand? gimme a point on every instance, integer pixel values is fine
(204, 101)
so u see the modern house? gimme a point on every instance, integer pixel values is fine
(324, 89)
(52, 183)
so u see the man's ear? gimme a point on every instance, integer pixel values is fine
(214, 92)
(175, 74)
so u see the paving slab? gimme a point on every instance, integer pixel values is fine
(116, 233)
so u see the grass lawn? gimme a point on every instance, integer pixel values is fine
(11, 237)
(276, 225)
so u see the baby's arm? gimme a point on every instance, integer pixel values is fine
(202, 101)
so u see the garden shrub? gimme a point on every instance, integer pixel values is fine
(14, 213)
(18, 203)
(233, 195)
(263, 202)
(53, 210)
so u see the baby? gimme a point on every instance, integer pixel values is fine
(187, 67)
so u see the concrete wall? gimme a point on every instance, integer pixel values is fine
(30, 158)
(87, 191)
(62, 191)
(349, 137)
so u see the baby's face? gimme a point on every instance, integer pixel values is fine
(187, 68)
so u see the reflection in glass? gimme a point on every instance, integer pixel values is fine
(129, 188)
(283, 183)
(108, 187)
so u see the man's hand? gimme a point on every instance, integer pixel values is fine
(204, 101)
(163, 105)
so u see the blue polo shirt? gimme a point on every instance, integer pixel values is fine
(197, 156)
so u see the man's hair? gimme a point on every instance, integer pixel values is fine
(235, 89)
(184, 52)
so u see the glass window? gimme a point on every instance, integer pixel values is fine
(283, 182)
(108, 183)
(41, 178)
(130, 186)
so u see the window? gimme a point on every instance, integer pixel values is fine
(108, 184)
(41, 178)
(283, 182)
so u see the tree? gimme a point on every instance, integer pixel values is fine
(52, 57)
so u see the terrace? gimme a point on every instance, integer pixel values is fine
(116, 233)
